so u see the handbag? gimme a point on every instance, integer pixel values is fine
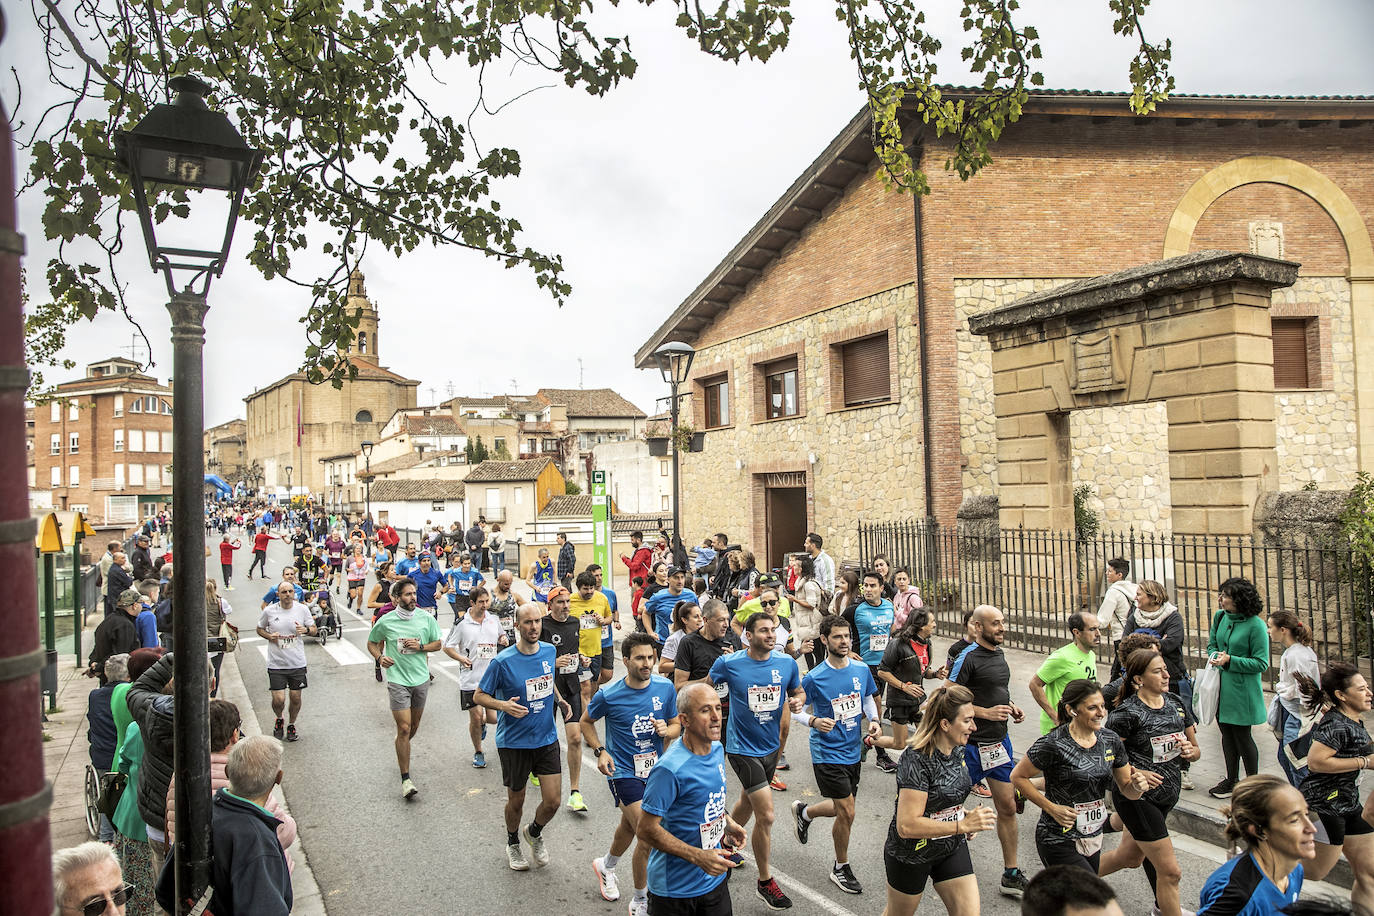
(112, 786)
(1206, 694)
(229, 634)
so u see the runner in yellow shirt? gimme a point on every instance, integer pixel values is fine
(593, 613)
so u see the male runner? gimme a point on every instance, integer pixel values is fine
(607, 642)
(505, 602)
(983, 669)
(870, 623)
(541, 578)
(310, 570)
(593, 613)
(840, 693)
(473, 643)
(429, 584)
(526, 737)
(758, 679)
(282, 625)
(334, 547)
(260, 542)
(562, 630)
(1076, 660)
(658, 608)
(462, 579)
(401, 642)
(641, 713)
(684, 818)
(408, 563)
(698, 652)
(288, 577)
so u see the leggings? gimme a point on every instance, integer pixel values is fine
(1237, 745)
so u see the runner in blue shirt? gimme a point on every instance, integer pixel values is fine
(840, 692)
(758, 679)
(641, 713)
(658, 607)
(518, 684)
(429, 585)
(462, 579)
(541, 579)
(288, 575)
(1270, 817)
(685, 818)
(407, 564)
(870, 623)
(607, 640)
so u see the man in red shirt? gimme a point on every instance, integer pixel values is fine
(226, 559)
(387, 537)
(260, 541)
(639, 561)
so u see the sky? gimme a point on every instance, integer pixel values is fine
(645, 190)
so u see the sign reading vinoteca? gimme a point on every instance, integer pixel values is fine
(786, 479)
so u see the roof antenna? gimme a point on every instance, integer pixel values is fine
(581, 383)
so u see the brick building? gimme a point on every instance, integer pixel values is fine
(103, 445)
(225, 447)
(835, 373)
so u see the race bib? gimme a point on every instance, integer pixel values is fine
(765, 699)
(1089, 817)
(949, 815)
(847, 706)
(537, 688)
(486, 651)
(992, 756)
(723, 690)
(589, 622)
(1166, 747)
(713, 833)
(878, 642)
(644, 763)
(569, 668)
(605, 632)
(288, 642)
(507, 623)
(405, 650)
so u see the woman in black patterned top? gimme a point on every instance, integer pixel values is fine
(927, 839)
(1079, 759)
(1159, 734)
(1340, 750)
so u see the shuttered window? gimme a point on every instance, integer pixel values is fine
(866, 372)
(717, 397)
(780, 379)
(1290, 352)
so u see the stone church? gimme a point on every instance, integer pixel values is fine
(292, 423)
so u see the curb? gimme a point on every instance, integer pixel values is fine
(1205, 824)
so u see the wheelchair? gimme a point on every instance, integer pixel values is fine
(328, 621)
(92, 799)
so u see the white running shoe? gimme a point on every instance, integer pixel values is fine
(639, 907)
(610, 888)
(537, 847)
(515, 858)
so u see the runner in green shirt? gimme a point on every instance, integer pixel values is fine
(1077, 659)
(401, 642)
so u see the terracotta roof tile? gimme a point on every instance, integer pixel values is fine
(497, 471)
(568, 506)
(394, 491)
(591, 402)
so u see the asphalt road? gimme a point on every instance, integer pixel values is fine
(372, 852)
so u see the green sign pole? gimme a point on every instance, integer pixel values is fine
(601, 528)
(78, 615)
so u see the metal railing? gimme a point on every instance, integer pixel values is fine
(1038, 578)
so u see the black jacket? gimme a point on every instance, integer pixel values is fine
(100, 728)
(153, 711)
(248, 871)
(116, 581)
(116, 633)
(475, 538)
(143, 564)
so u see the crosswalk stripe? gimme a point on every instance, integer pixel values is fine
(345, 653)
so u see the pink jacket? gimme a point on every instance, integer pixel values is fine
(286, 831)
(903, 605)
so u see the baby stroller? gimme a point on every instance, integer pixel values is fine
(328, 622)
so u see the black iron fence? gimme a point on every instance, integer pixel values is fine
(1038, 578)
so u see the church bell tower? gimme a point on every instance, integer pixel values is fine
(365, 340)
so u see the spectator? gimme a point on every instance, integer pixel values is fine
(117, 633)
(637, 563)
(1238, 644)
(118, 580)
(1117, 604)
(1298, 659)
(85, 875)
(100, 727)
(567, 561)
(1155, 614)
(142, 559)
(496, 544)
(808, 609)
(825, 567)
(474, 539)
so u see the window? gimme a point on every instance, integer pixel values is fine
(663, 503)
(74, 476)
(1290, 353)
(136, 406)
(166, 408)
(55, 446)
(498, 444)
(73, 410)
(119, 405)
(550, 445)
(119, 476)
(150, 404)
(121, 508)
(716, 394)
(529, 446)
(119, 440)
(135, 440)
(135, 475)
(363, 416)
(780, 388)
(152, 474)
(865, 371)
(167, 443)
(663, 469)
(56, 476)
(437, 506)
(362, 342)
(519, 495)
(74, 443)
(55, 415)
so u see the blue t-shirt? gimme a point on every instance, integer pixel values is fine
(406, 566)
(688, 792)
(462, 582)
(838, 693)
(873, 621)
(381, 556)
(271, 596)
(1240, 888)
(758, 699)
(146, 624)
(630, 715)
(661, 604)
(529, 680)
(606, 638)
(426, 583)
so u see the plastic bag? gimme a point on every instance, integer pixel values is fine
(1206, 694)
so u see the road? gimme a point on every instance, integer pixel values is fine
(374, 852)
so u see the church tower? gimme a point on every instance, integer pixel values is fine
(365, 341)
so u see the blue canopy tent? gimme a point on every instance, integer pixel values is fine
(222, 488)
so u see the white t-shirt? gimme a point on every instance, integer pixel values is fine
(479, 642)
(286, 654)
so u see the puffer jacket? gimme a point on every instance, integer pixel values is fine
(286, 830)
(153, 711)
(806, 622)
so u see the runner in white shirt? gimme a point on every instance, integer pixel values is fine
(473, 643)
(282, 625)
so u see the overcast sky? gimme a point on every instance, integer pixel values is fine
(644, 191)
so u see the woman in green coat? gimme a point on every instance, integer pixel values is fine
(1239, 645)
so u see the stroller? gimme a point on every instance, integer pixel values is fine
(328, 621)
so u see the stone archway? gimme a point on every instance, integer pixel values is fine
(1359, 251)
(1191, 331)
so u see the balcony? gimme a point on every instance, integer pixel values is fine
(104, 483)
(493, 513)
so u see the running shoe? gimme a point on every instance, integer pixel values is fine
(733, 856)
(777, 784)
(279, 729)
(605, 877)
(1222, 789)
(479, 760)
(575, 803)
(515, 858)
(800, 824)
(982, 791)
(639, 907)
(887, 764)
(408, 789)
(1020, 803)
(842, 876)
(534, 780)
(291, 733)
(1186, 781)
(771, 894)
(228, 588)
(782, 762)
(1014, 884)
(537, 847)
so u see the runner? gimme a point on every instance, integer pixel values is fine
(840, 693)
(607, 641)
(1159, 735)
(686, 619)
(1076, 660)
(356, 570)
(1270, 817)
(505, 602)
(1079, 759)
(526, 737)
(310, 570)
(288, 577)
(906, 663)
(593, 613)
(334, 547)
(758, 679)
(401, 641)
(429, 584)
(640, 711)
(658, 609)
(260, 542)
(927, 838)
(282, 625)
(699, 651)
(462, 579)
(561, 630)
(408, 563)
(684, 819)
(540, 578)
(473, 643)
(871, 623)
(983, 669)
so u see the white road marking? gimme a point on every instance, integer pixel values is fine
(345, 653)
(245, 640)
(792, 884)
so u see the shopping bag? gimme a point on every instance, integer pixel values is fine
(1206, 694)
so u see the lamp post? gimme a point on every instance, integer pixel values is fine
(675, 362)
(288, 487)
(177, 146)
(366, 449)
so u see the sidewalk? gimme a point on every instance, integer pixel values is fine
(66, 754)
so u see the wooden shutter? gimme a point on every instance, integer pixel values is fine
(1290, 352)
(866, 371)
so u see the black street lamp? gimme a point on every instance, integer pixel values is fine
(176, 146)
(675, 362)
(288, 486)
(366, 449)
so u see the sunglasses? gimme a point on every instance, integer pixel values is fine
(98, 906)
(769, 603)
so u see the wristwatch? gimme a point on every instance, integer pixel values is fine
(597, 753)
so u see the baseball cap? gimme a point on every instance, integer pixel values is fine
(129, 596)
(558, 591)
(674, 570)
(769, 580)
